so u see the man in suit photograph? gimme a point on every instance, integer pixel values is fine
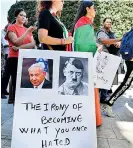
(37, 77)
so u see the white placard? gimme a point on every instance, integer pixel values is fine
(47, 118)
(105, 68)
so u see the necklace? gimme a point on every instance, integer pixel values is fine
(65, 32)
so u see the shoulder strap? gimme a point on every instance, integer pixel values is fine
(99, 32)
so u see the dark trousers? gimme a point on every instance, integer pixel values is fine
(11, 70)
(103, 94)
(124, 85)
(5, 75)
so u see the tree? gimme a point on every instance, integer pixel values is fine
(123, 20)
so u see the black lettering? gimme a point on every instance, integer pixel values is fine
(62, 130)
(61, 142)
(24, 130)
(55, 120)
(38, 107)
(66, 107)
(62, 107)
(39, 131)
(46, 106)
(73, 119)
(46, 143)
(46, 129)
(56, 141)
(79, 106)
(44, 120)
(53, 106)
(79, 118)
(67, 141)
(58, 120)
(82, 128)
(68, 119)
(33, 130)
(27, 105)
(57, 130)
(63, 120)
(31, 106)
(67, 130)
(85, 128)
(75, 106)
(49, 120)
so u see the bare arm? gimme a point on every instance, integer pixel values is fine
(109, 41)
(26, 46)
(15, 40)
(19, 41)
(29, 45)
(44, 38)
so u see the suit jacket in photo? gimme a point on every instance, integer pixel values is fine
(27, 84)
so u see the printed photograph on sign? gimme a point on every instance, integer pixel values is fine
(37, 73)
(73, 76)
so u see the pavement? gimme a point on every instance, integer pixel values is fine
(114, 133)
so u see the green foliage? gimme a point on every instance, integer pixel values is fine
(120, 11)
(28, 6)
(30, 9)
(68, 14)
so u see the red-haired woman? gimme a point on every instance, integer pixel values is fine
(52, 33)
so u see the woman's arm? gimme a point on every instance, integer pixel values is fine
(44, 38)
(26, 46)
(19, 41)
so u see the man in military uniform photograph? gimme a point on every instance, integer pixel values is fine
(73, 73)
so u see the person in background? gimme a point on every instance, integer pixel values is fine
(68, 46)
(52, 33)
(83, 31)
(2, 63)
(85, 41)
(18, 37)
(110, 44)
(5, 48)
(126, 49)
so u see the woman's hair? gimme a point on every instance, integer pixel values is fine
(42, 5)
(82, 11)
(58, 13)
(17, 11)
(107, 18)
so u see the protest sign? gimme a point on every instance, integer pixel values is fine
(50, 114)
(105, 68)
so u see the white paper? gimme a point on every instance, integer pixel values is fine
(105, 68)
(34, 107)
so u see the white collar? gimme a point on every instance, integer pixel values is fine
(40, 86)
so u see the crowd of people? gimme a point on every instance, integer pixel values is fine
(53, 35)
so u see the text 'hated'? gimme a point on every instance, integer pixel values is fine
(55, 142)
